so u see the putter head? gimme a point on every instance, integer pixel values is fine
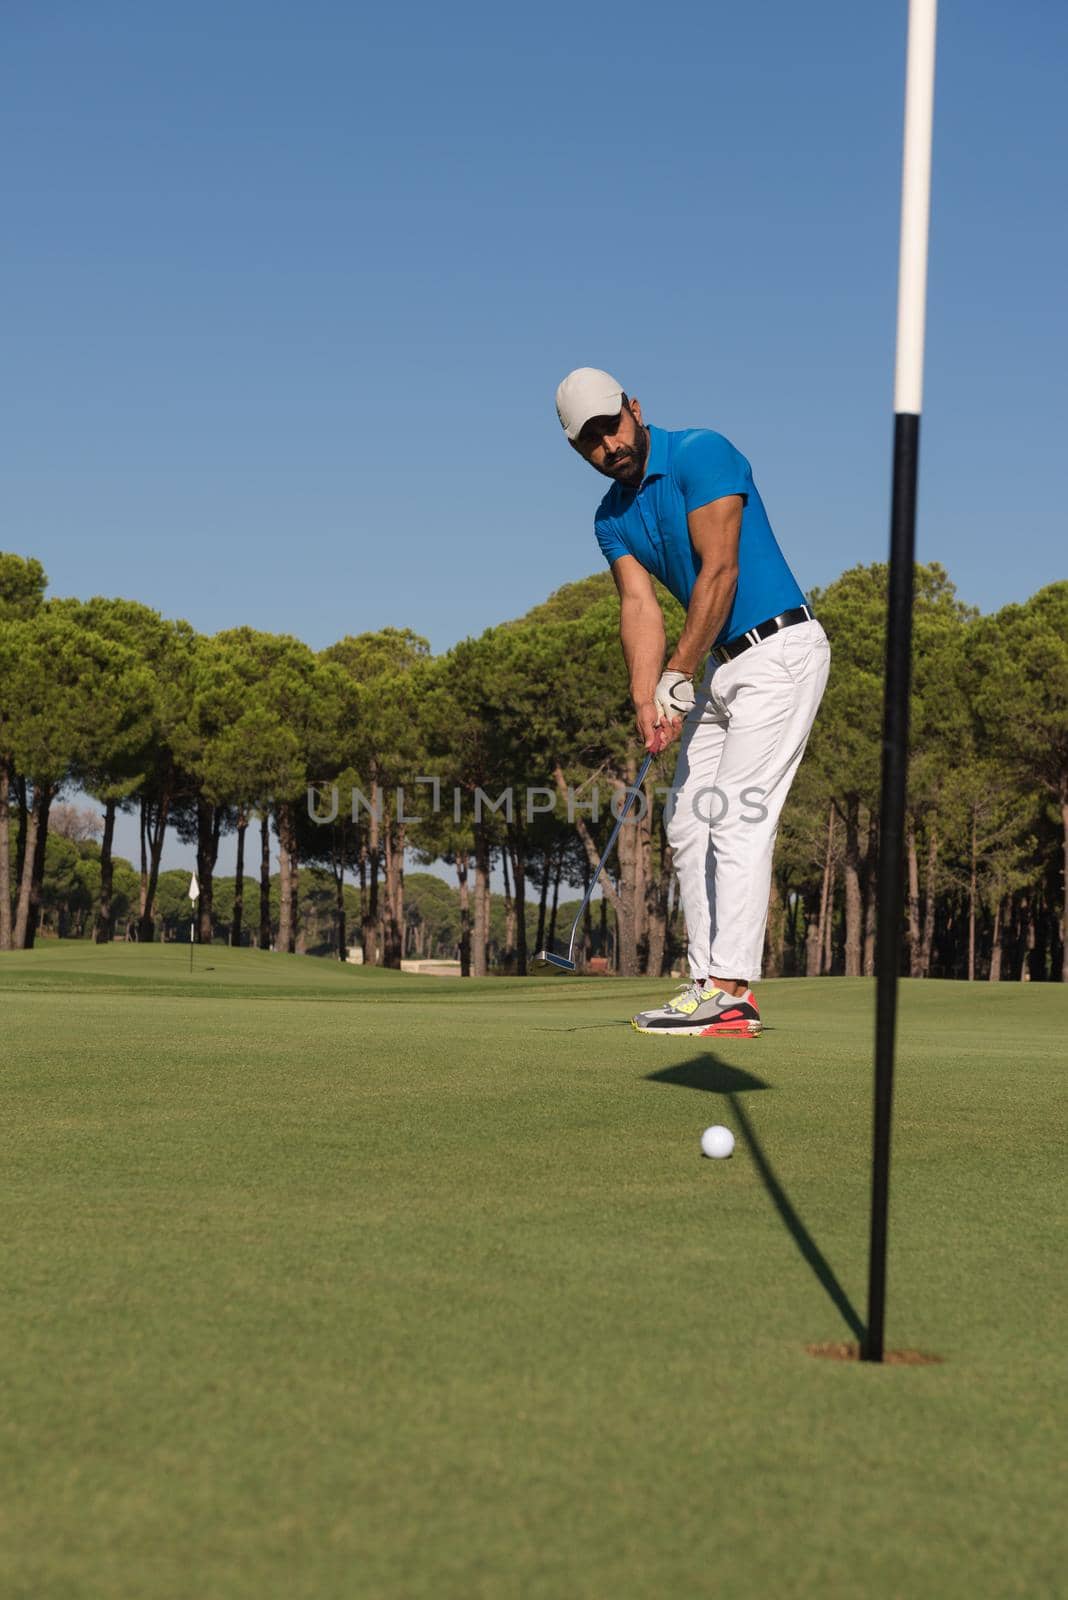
(555, 961)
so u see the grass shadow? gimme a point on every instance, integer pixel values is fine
(714, 1077)
(578, 1027)
(705, 1072)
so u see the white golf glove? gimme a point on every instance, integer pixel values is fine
(674, 694)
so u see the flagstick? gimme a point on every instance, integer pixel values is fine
(194, 896)
(908, 401)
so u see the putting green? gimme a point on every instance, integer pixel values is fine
(323, 1282)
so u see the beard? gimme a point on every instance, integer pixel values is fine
(628, 463)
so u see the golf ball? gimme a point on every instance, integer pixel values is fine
(717, 1142)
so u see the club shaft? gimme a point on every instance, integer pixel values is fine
(635, 790)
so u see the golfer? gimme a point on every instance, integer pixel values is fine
(683, 507)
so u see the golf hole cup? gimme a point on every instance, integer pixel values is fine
(717, 1143)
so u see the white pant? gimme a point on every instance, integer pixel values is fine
(740, 748)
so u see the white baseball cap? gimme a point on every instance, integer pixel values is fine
(587, 392)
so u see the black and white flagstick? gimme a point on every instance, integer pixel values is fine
(908, 403)
(194, 896)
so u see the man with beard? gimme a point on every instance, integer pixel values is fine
(683, 507)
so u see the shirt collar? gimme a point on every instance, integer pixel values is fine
(656, 464)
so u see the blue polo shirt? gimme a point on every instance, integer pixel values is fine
(686, 470)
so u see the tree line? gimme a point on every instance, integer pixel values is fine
(323, 759)
(71, 889)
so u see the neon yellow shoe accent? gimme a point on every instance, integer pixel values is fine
(689, 999)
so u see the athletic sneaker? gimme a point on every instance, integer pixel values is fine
(706, 1010)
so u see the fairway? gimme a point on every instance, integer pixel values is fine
(328, 1282)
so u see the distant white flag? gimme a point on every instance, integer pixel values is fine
(194, 888)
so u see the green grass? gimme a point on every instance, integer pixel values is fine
(329, 1283)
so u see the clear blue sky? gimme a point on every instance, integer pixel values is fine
(288, 289)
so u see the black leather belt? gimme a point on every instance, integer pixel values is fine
(763, 630)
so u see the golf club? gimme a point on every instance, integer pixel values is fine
(567, 963)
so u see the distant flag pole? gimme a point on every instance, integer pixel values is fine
(194, 895)
(908, 403)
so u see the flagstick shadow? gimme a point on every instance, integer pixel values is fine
(717, 1077)
(807, 1245)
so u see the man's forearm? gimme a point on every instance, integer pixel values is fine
(641, 630)
(709, 604)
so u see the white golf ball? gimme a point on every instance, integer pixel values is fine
(717, 1142)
